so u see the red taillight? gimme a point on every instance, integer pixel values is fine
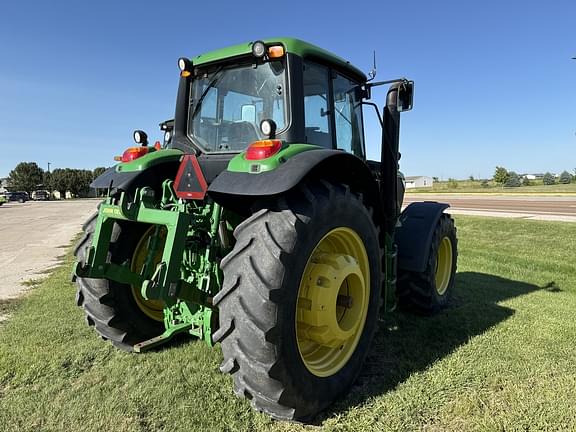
(133, 153)
(263, 149)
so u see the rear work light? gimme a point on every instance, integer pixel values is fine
(133, 153)
(263, 149)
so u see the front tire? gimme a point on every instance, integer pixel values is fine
(430, 291)
(110, 307)
(279, 271)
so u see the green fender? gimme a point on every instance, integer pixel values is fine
(414, 234)
(139, 172)
(238, 190)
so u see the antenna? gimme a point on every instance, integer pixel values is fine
(372, 73)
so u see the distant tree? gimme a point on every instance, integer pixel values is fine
(46, 180)
(436, 179)
(565, 178)
(98, 171)
(500, 175)
(471, 178)
(58, 181)
(527, 182)
(484, 184)
(549, 179)
(26, 177)
(85, 177)
(75, 181)
(78, 181)
(513, 180)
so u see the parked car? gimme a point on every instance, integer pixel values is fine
(2, 199)
(41, 195)
(17, 196)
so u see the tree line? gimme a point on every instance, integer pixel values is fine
(511, 179)
(28, 177)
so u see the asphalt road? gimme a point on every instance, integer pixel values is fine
(561, 208)
(33, 236)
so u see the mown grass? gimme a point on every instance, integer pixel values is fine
(469, 186)
(500, 358)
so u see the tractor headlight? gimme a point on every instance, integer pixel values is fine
(268, 127)
(183, 64)
(258, 49)
(185, 67)
(140, 137)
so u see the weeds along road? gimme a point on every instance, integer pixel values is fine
(33, 236)
(558, 208)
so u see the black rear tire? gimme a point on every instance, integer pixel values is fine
(257, 303)
(110, 306)
(417, 292)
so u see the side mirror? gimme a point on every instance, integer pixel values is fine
(405, 96)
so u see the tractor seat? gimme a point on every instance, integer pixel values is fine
(241, 134)
(314, 136)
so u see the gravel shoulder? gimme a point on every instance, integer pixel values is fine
(33, 236)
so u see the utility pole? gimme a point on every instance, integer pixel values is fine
(48, 167)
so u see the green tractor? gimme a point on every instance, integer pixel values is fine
(261, 226)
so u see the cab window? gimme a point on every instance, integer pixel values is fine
(347, 116)
(316, 107)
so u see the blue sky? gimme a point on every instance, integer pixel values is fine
(495, 83)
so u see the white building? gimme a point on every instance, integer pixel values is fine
(419, 182)
(532, 176)
(4, 183)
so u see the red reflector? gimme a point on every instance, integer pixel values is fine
(134, 153)
(190, 182)
(263, 149)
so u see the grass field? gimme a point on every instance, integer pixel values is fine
(468, 186)
(502, 357)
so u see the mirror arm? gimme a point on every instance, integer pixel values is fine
(379, 83)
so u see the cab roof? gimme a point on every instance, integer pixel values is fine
(294, 46)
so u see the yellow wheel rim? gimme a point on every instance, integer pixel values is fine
(443, 266)
(332, 302)
(152, 308)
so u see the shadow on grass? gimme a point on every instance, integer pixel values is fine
(408, 343)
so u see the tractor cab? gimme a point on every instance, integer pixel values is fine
(282, 89)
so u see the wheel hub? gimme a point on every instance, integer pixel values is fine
(144, 254)
(334, 297)
(443, 266)
(332, 302)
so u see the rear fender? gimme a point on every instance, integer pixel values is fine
(414, 234)
(239, 190)
(150, 170)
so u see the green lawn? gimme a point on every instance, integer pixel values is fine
(468, 186)
(502, 357)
